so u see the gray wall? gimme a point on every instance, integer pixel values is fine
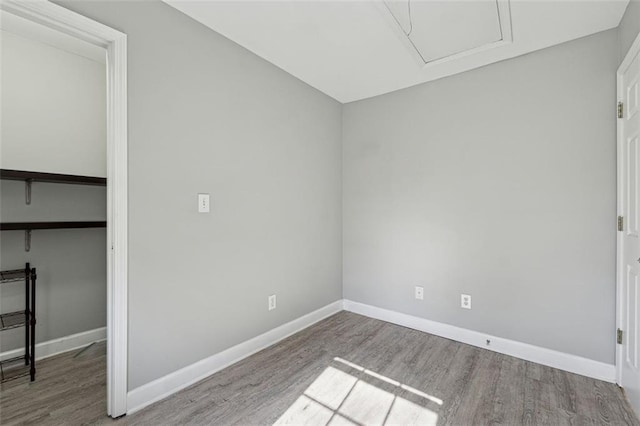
(499, 183)
(71, 292)
(52, 104)
(53, 115)
(205, 115)
(629, 27)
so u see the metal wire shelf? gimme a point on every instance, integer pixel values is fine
(13, 275)
(13, 368)
(13, 320)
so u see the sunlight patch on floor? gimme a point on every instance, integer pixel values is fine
(359, 397)
(391, 381)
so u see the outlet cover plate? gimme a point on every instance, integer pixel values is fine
(203, 203)
(419, 293)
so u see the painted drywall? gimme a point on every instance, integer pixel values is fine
(71, 292)
(206, 115)
(629, 27)
(53, 109)
(498, 183)
(53, 119)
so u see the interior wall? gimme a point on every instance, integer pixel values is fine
(53, 109)
(71, 294)
(53, 119)
(499, 183)
(206, 115)
(629, 27)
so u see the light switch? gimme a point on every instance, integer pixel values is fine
(203, 203)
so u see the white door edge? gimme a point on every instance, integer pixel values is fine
(634, 50)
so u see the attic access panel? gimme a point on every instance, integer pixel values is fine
(437, 31)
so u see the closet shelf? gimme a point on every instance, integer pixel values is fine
(13, 368)
(13, 320)
(51, 177)
(29, 177)
(12, 276)
(28, 226)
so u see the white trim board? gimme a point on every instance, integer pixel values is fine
(73, 24)
(549, 357)
(62, 344)
(167, 385)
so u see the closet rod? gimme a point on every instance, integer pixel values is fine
(24, 175)
(25, 226)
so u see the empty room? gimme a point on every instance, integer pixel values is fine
(369, 212)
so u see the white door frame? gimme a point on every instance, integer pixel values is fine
(631, 54)
(115, 43)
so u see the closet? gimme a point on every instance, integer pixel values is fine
(53, 201)
(27, 318)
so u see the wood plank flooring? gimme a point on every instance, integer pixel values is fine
(347, 369)
(70, 389)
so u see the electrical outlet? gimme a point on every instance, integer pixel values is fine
(203, 203)
(272, 302)
(465, 301)
(419, 293)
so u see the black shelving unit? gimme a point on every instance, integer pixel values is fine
(12, 368)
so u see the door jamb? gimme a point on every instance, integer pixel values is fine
(630, 55)
(115, 43)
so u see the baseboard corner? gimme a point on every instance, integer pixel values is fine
(549, 357)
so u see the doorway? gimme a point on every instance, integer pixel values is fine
(115, 44)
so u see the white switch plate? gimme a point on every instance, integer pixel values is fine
(419, 293)
(272, 302)
(203, 203)
(465, 301)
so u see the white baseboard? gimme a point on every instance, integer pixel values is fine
(61, 344)
(167, 385)
(171, 383)
(544, 356)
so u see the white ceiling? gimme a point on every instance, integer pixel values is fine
(435, 30)
(353, 50)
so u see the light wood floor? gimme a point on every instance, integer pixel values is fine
(347, 369)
